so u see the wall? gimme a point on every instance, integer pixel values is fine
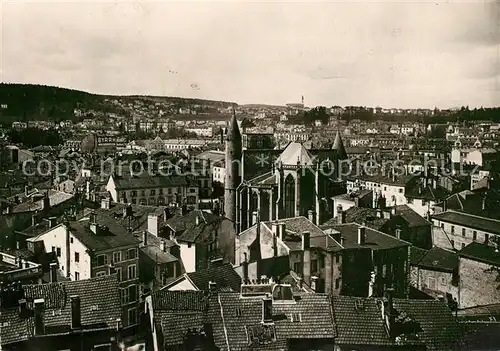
(421, 206)
(434, 283)
(83, 267)
(188, 256)
(57, 238)
(477, 287)
(461, 239)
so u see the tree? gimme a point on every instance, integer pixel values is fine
(318, 113)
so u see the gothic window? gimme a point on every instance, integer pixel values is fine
(289, 201)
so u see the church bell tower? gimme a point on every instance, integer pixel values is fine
(234, 168)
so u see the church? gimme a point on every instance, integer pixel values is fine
(277, 184)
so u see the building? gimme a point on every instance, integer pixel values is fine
(461, 229)
(233, 173)
(222, 274)
(394, 324)
(479, 268)
(153, 190)
(73, 315)
(97, 246)
(202, 237)
(361, 198)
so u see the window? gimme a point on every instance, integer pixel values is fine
(117, 256)
(77, 276)
(192, 190)
(384, 270)
(169, 191)
(486, 238)
(53, 249)
(152, 192)
(132, 316)
(453, 244)
(463, 245)
(77, 257)
(131, 254)
(442, 281)
(160, 191)
(102, 260)
(119, 273)
(132, 293)
(442, 226)
(410, 201)
(143, 192)
(452, 229)
(133, 193)
(58, 249)
(131, 272)
(314, 266)
(474, 235)
(431, 282)
(297, 268)
(100, 274)
(463, 231)
(189, 245)
(321, 261)
(337, 283)
(71, 240)
(124, 296)
(400, 191)
(424, 202)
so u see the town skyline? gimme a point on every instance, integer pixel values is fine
(392, 55)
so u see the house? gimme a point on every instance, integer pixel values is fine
(97, 246)
(435, 272)
(153, 190)
(479, 268)
(72, 315)
(223, 275)
(361, 198)
(202, 237)
(394, 324)
(462, 229)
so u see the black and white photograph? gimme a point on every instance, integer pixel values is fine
(249, 175)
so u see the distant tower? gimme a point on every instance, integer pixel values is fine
(338, 146)
(233, 168)
(302, 99)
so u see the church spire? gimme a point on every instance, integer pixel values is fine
(233, 131)
(338, 145)
(233, 174)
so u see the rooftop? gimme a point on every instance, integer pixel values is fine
(470, 221)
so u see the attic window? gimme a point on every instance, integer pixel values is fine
(56, 312)
(5, 324)
(94, 307)
(295, 317)
(238, 312)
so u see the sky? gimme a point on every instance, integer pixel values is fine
(386, 53)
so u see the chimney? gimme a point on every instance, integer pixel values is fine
(275, 229)
(434, 183)
(145, 238)
(45, 201)
(306, 252)
(306, 241)
(314, 283)
(445, 205)
(341, 217)
(267, 309)
(39, 310)
(339, 209)
(53, 272)
(311, 216)
(484, 203)
(197, 220)
(255, 215)
(212, 286)
(163, 246)
(342, 241)
(76, 315)
(26, 190)
(93, 223)
(371, 284)
(398, 233)
(379, 213)
(389, 311)
(153, 224)
(23, 310)
(245, 267)
(52, 221)
(361, 235)
(393, 211)
(105, 203)
(282, 230)
(33, 219)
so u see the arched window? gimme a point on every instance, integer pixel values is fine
(289, 201)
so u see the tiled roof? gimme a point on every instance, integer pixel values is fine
(374, 239)
(242, 314)
(296, 226)
(362, 215)
(99, 299)
(439, 259)
(363, 325)
(429, 193)
(416, 255)
(482, 253)
(179, 300)
(152, 182)
(156, 254)
(411, 217)
(15, 329)
(55, 198)
(190, 231)
(293, 153)
(469, 221)
(224, 276)
(137, 219)
(174, 325)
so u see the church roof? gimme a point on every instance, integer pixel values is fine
(295, 152)
(233, 130)
(338, 145)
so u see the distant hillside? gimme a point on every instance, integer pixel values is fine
(21, 102)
